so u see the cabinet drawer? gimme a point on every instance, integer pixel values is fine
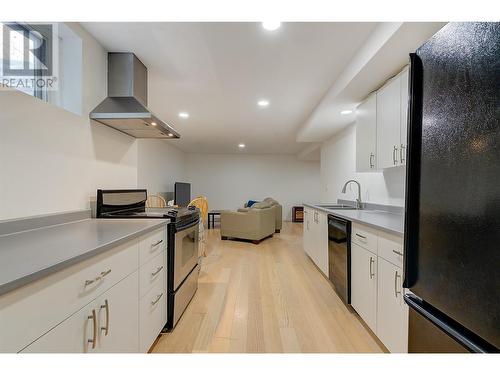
(29, 312)
(390, 247)
(152, 244)
(365, 237)
(150, 272)
(152, 314)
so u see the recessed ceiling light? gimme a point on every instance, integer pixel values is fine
(153, 123)
(170, 134)
(263, 103)
(271, 25)
(346, 112)
(241, 145)
(183, 114)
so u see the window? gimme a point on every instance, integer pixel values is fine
(44, 61)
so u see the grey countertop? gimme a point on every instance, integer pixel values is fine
(29, 255)
(387, 221)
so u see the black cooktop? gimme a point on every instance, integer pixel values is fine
(131, 204)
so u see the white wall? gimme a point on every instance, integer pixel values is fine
(230, 180)
(338, 164)
(52, 160)
(159, 165)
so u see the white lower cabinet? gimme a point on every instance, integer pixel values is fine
(316, 237)
(376, 286)
(109, 324)
(71, 336)
(364, 284)
(122, 310)
(152, 313)
(392, 311)
(118, 317)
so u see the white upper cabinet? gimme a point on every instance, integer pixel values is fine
(366, 134)
(388, 124)
(404, 116)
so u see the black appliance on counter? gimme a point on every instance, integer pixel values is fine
(182, 194)
(339, 256)
(182, 242)
(452, 225)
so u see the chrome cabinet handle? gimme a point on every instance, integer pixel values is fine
(93, 340)
(371, 273)
(360, 236)
(371, 157)
(395, 155)
(396, 292)
(397, 252)
(98, 278)
(158, 297)
(106, 327)
(105, 273)
(402, 154)
(153, 274)
(156, 243)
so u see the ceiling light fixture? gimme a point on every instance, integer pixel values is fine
(170, 134)
(271, 25)
(153, 123)
(183, 114)
(263, 103)
(241, 145)
(346, 112)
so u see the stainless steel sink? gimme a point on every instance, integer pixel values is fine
(337, 207)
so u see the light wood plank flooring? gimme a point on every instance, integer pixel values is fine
(265, 298)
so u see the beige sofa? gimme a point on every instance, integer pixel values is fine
(278, 213)
(254, 223)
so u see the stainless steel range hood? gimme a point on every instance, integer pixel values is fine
(125, 108)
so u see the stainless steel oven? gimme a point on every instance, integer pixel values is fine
(183, 267)
(186, 252)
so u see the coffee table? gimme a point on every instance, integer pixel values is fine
(211, 217)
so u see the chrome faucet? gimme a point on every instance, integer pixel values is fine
(359, 204)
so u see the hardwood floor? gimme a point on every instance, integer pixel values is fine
(265, 298)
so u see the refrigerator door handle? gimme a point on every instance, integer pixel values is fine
(414, 144)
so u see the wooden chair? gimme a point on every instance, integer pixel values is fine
(201, 203)
(156, 201)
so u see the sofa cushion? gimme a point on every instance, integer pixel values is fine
(261, 205)
(250, 203)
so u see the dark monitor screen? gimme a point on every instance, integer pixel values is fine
(182, 194)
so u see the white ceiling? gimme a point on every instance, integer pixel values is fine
(218, 71)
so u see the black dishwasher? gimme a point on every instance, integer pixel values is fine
(339, 256)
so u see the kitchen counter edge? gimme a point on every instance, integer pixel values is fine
(84, 255)
(372, 223)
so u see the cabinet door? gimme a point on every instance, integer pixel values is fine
(404, 116)
(392, 312)
(306, 240)
(366, 131)
(322, 241)
(364, 284)
(72, 335)
(313, 237)
(388, 124)
(118, 317)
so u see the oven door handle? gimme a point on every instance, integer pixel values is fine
(191, 224)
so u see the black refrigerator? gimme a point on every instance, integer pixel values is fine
(452, 222)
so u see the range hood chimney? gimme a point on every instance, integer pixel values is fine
(125, 108)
